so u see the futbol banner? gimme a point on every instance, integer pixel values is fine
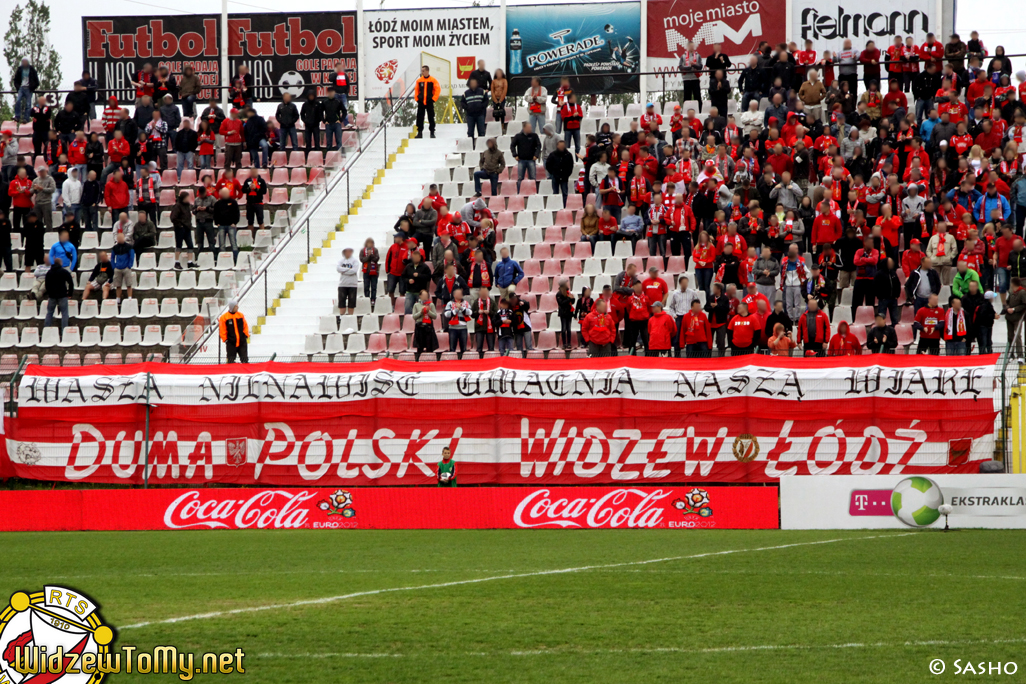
(685, 507)
(449, 40)
(829, 24)
(285, 52)
(597, 46)
(741, 419)
(739, 27)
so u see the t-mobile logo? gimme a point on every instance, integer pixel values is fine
(870, 502)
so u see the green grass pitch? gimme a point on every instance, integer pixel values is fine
(711, 606)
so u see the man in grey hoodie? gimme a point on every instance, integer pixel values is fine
(468, 210)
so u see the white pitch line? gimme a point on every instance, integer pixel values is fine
(653, 650)
(456, 583)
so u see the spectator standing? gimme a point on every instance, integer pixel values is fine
(458, 315)
(560, 166)
(122, 258)
(499, 89)
(181, 220)
(348, 269)
(424, 314)
(370, 261)
(417, 276)
(535, 99)
(59, 287)
(235, 333)
(475, 104)
(426, 93)
(43, 188)
(203, 211)
(287, 116)
(312, 115)
(226, 218)
(25, 82)
(526, 149)
(599, 330)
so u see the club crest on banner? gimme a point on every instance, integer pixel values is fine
(746, 447)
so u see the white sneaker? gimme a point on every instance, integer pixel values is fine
(348, 331)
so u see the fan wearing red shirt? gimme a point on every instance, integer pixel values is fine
(954, 108)
(779, 161)
(695, 331)
(929, 322)
(650, 117)
(636, 321)
(118, 148)
(826, 228)
(962, 141)
(607, 224)
(932, 51)
(896, 61)
(654, 287)
(989, 138)
(437, 201)
(744, 329)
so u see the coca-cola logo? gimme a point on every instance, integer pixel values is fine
(617, 508)
(270, 508)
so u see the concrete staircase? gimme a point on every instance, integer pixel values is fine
(296, 314)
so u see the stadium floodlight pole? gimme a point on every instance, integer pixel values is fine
(225, 76)
(643, 65)
(361, 38)
(146, 448)
(502, 38)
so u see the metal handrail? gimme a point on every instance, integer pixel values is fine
(1011, 349)
(304, 221)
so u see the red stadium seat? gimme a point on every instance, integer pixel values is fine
(297, 159)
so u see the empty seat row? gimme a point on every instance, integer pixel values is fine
(92, 336)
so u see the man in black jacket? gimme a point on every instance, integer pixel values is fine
(475, 103)
(311, 116)
(287, 116)
(750, 83)
(481, 75)
(560, 166)
(526, 148)
(66, 123)
(26, 82)
(925, 85)
(59, 287)
(922, 283)
(331, 109)
(881, 338)
(1017, 260)
(42, 115)
(185, 147)
(254, 189)
(887, 289)
(417, 277)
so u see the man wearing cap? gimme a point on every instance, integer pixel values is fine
(235, 333)
(992, 207)
(662, 331)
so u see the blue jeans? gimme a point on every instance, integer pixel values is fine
(477, 122)
(344, 99)
(205, 160)
(493, 177)
(333, 132)
(525, 168)
(1002, 279)
(983, 336)
(227, 234)
(265, 153)
(704, 278)
(289, 133)
(23, 105)
(891, 305)
(575, 136)
(70, 210)
(189, 105)
(61, 304)
(955, 348)
(537, 122)
(187, 160)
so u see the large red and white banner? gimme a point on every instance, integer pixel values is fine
(686, 507)
(748, 419)
(740, 28)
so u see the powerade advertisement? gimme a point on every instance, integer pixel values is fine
(597, 46)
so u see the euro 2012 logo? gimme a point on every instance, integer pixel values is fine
(695, 502)
(339, 503)
(54, 623)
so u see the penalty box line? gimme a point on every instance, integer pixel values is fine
(480, 580)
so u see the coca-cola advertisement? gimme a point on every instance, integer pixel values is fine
(504, 421)
(285, 52)
(671, 507)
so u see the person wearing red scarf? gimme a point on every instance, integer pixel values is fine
(744, 330)
(695, 332)
(661, 331)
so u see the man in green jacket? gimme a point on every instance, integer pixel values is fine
(965, 275)
(447, 469)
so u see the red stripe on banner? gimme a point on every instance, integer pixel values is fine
(674, 507)
(607, 363)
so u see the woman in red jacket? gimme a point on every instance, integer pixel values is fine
(661, 331)
(599, 330)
